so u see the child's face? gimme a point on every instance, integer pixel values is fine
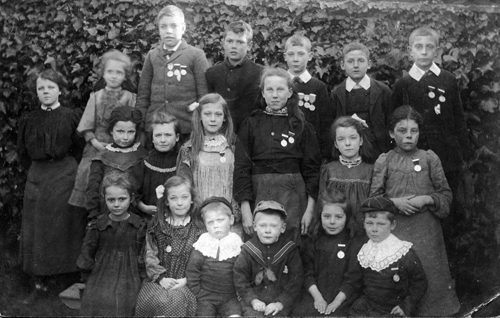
(378, 228)
(117, 201)
(348, 141)
(48, 92)
(268, 227)
(406, 135)
(164, 137)
(423, 51)
(218, 221)
(296, 58)
(212, 118)
(114, 74)
(123, 133)
(276, 92)
(333, 219)
(236, 47)
(179, 200)
(171, 29)
(355, 65)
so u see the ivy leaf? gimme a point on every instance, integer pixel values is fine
(113, 33)
(92, 31)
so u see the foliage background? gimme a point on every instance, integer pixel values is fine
(73, 34)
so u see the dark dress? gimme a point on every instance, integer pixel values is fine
(112, 251)
(52, 230)
(158, 167)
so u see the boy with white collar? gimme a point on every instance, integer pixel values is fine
(313, 93)
(364, 96)
(387, 269)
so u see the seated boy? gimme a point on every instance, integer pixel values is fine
(268, 273)
(364, 96)
(313, 93)
(389, 271)
(209, 271)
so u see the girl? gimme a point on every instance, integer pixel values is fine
(52, 231)
(350, 174)
(326, 255)
(124, 155)
(414, 180)
(169, 241)
(277, 156)
(161, 162)
(111, 251)
(115, 68)
(208, 157)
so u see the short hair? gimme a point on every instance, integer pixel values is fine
(390, 215)
(117, 179)
(51, 75)
(159, 117)
(424, 31)
(405, 112)
(125, 113)
(240, 27)
(355, 46)
(115, 55)
(215, 206)
(298, 40)
(169, 11)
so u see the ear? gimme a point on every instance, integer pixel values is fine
(231, 220)
(254, 226)
(342, 66)
(290, 92)
(335, 144)
(360, 141)
(393, 225)
(177, 138)
(310, 56)
(391, 133)
(369, 64)
(283, 228)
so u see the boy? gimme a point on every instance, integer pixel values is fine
(313, 94)
(389, 271)
(209, 271)
(173, 75)
(364, 96)
(236, 78)
(268, 273)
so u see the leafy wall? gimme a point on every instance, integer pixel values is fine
(74, 34)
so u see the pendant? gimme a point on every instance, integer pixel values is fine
(168, 249)
(183, 72)
(291, 140)
(223, 159)
(341, 254)
(177, 72)
(301, 103)
(170, 66)
(284, 143)
(442, 99)
(170, 73)
(312, 98)
(416, 165)
(306, 105)
(301, 96)
(312, 108)
(432, 94)
(437, 109)
(396, 278)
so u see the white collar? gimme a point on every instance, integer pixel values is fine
(132, 148)
(378, 256)
(174, 48)
(52, 107)
(305, 76)
(185, 221)
(230, 246)
(417, 73)
(364, 83)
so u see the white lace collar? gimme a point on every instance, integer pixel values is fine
(417, 73)
(124, 150)
(230, 246)
(379, 256)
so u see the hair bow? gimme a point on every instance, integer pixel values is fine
(362, 121)
(191, 107)
(160, 190)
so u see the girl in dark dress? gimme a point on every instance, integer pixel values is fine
(111, 251)
(52, 230)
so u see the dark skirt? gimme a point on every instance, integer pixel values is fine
(52, 231)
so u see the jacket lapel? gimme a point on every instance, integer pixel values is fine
(178, 52)
(374, 95)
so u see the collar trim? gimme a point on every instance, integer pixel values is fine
(364, 83)
(417, 73)
(379, 256)
(123, 150)
(305, 76)
(229, 246)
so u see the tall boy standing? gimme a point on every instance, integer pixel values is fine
(236, 78)
(313, 93)
(364, 96)
(173, 75)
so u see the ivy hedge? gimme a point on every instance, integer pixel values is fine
(73, 34)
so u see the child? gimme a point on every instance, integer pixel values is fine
(209, 271)
(277, 156)
(350, 174)
(313, 94)
(111, 253)
(387, 268)
(115, 67)
(208, 157)
(237, 77)
(169, 241)
(268, 273)
(124, 155)
(325, 256)
(364, 96)
(161, 163)
(173, 75)
(52, 231)
(414, 180)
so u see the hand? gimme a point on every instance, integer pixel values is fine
(320, 305)
(306, 222)
(181, 282)
(421, 201)
(258, 305)
(332, 307)
(149, 209)
(168, 283)
(404, 205)
(190, 108)
(273, 308)
(97, 144)
(397, 311)
(246, 217)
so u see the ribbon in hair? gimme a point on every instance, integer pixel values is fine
(363, 122)
(160, 190)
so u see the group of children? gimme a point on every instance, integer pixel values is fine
(251, 162)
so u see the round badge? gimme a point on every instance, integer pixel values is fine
(432, 94)
(183, 72)
(306, 105)
(223, 159)
(341, 254)
(442, 99)
(417, 168)
(168, 249)
(177, 72)
(396, 278)
(312, 108)
(170, 66)
(284, 143)
(291, 140)
(170, 73)
(301, 103)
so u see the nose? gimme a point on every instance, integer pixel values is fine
(408, 135)
(356, 64)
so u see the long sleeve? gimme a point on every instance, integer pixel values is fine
(144, 89)
(460, 124)
(193, 272)
(200, 67)
(295, 280)
(86, 259)
(442, 196)
(353, 277)
(94, 188)
(379, 177)
(310, 165)
(242, 177)
(153, 267)
(308, 258)
(243, 278)
(184, 163)
(87, 123)
(22, 151)
(417, 283)
(326, 117)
